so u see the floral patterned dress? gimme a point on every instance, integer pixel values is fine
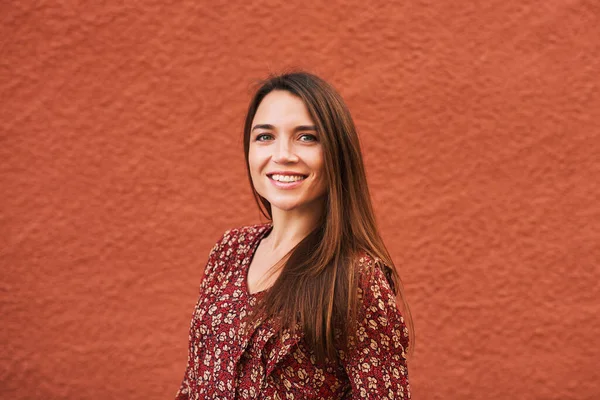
(228, 359)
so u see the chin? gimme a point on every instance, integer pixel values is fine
(285, 206)
(292, 204)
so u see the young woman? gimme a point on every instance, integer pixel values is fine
(305, 305)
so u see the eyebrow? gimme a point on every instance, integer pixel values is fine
(296, 129)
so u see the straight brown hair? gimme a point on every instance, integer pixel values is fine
(318, 284)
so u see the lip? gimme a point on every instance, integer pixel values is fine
(285, 173)
(286, 185)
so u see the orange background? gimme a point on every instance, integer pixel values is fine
(121, 164)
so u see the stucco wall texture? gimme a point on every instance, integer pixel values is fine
(121, 164)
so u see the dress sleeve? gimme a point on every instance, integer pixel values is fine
(375, 360)
(214, 258)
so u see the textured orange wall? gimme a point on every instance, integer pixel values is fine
(121, 164)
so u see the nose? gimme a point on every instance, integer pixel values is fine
(284, 152)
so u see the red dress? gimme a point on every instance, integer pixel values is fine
(228, 359)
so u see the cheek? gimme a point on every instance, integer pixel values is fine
(318, 164)
(253, 160)
(256, 165)
(254, 174)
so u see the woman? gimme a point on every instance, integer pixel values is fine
(304, 306)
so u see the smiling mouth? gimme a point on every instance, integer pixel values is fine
(287, 178)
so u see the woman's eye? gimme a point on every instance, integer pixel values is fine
(260, 136)
(311, 138)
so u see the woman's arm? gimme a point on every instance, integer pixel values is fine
(376, 360)
(214, 258)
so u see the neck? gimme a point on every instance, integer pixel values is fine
(290, 227)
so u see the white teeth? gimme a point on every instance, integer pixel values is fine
(287, 178)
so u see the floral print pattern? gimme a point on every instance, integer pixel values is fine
(229, 359)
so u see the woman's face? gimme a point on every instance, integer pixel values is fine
(285, 154)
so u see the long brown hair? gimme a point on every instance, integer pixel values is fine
(318, 284)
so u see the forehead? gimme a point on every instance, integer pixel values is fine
(281, 107)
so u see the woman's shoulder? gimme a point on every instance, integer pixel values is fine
(366, 260)
(239, 235)
(374, 275)
(242, 234)
(231, 245)
(367, 263)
